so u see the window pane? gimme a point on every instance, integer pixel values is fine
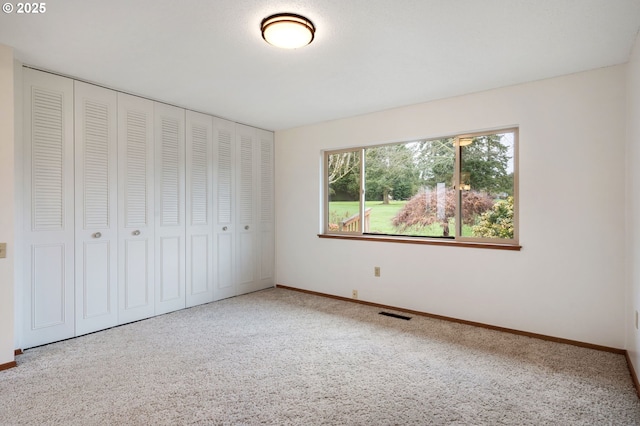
(344, 191)
(487, 185)
(409, 189)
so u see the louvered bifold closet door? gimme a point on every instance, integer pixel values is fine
(96, 185)
(48, 291)
(199, 208)
(170, 208)
(224, 209)
(246, 233)
(266, 219)
(136, 241)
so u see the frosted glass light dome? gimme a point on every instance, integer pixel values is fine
(287, 30)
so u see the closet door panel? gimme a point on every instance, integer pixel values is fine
(98, 287)
(224, 267)
(246, 271)
(96, 208)
(246, 256)
(199, 270)
(136, 239)
(48, 208)
(267, 259)
(136, 297)
(199, 208)
(224, 226)
(170, 207)
(48, 286)
(170, 288)
(266, 250)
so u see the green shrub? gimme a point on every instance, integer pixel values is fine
(497, 222)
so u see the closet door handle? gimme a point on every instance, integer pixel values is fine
(97, 235)
(224, 228)
(246, 227)
(136, 233)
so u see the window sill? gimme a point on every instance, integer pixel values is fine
(423, 241)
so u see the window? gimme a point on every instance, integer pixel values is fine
(459, 188)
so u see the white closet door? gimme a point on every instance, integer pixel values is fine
(48, 209)
(170, 208)
(224, 226)
(266, 248)
(246, 271)
(96, 208)
(136, 209)
(199, 208)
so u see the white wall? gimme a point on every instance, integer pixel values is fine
(633, 178)
(6, 203)
(567, 281)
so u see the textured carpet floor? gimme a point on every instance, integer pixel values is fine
(281, 357)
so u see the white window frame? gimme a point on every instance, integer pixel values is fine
(457, 238)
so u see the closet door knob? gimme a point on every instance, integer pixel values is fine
(246, 227)
(97, 235)
(136, 232)
(224, 228)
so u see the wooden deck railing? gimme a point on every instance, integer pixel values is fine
(352, 223)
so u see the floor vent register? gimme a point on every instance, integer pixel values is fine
(392, 315)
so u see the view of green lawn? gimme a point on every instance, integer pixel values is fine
(380, 220)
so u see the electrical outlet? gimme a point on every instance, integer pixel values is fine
(376, 271)
(3, 250)
(354, 294)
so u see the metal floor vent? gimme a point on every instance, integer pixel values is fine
(389, 314)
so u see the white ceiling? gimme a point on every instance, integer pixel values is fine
(368, 55)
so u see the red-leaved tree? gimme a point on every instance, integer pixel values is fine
(423, 209)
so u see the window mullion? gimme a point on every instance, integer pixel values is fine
(457, 189)
(325, 195)
(362, 192)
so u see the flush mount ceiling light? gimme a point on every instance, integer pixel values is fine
(287, 30)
